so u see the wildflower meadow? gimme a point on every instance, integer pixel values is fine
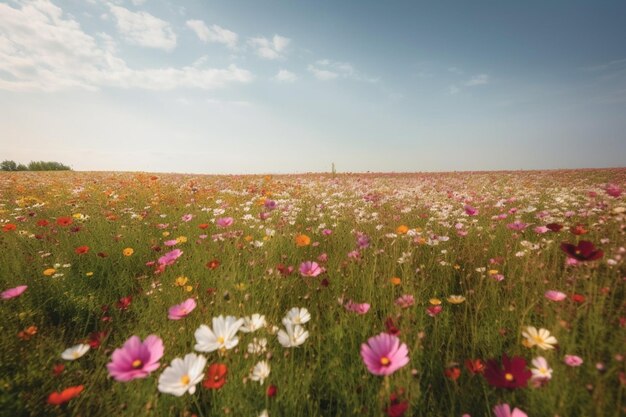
(450, 294)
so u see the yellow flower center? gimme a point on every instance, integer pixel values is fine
(137, 363)
(538, 339)
(76, 355)
(509, 377)
(384, 361)
(184, 379)
(220, 340)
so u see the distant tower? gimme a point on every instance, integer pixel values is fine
(333, 170)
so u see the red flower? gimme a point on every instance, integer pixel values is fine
(579, 229)
(555, 227)
(95, 339)
(81, 249)
(43, 222)
(284, 270)
(578, 298)
(475, 366)
(512, 374)
(216, 376)
(9, 227)
(453, 373)
(203, 226)
(391, 328)
(271, 391)
(584, 251)
(124, 302)
(398, 407)
(58, 398)
(58, 369)
(213, 264)
(64, 221)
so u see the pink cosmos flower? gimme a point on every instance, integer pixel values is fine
(405, 301)
(13, 292)
(432, 311)
(178, 311)
(136, 359)
(170, 257)
(187, 217)
(383, 354)
(555, 295)
(471, 211)
(517, 226)
(310, 269)
(541, 229)
(171, 242)
(613, 190)
(573, 360)
(504, 410)
(357, 308)
(327, 232)
(224, 221)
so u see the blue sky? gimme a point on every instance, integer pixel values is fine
(292, 86)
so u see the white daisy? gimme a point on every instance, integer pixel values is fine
(297, 316)
(253, 323)
(293, 336)
(182, 375)
(223, 335)
(260, 371)
(75, 352)
(541, 368)
(540, 338)
(257, 347)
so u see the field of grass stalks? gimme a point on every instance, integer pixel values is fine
(456, 267)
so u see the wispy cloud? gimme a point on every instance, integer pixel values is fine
(43, 50)
(215, 33)
(143, 29)
(480, 79)
(615, 64)
(326, 70)
(285, 76)
(270, 48)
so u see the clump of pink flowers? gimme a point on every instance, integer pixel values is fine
(136, 359)
(358, 308)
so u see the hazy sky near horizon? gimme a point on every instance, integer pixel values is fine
(292, 86)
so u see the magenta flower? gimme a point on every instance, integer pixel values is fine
(187, 217)
(358, 308)
(504, 410)
(224, 221)
(136, 359)
(383, 354)
(555, 295)
(178, 311)
(573, 360)
(470, 211)
(13, 292)
(541, 229)
(171, 242)
(170, 257)
(517, 226)
(310, 269)
(432, 311)
(613, 190)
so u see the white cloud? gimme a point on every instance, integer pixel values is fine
(453, 89)
(215, 33)
(285, 76)
(326, 70)
(43, 50)
(479, 79)
(144, 29)
(270, 49)
(137, 2)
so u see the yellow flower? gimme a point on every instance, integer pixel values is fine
(455, 299)
(240, 286)
(402, 229)
(492, 271)
(302, 240)
(181, 281)
(50, 271)
(181, 239)
(248, 238)
(396, 281)
(77, 215)
(128, 251)
(434, 301)
(165, 234)
(188, 288)
(89, 274)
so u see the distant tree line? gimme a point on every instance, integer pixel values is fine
(7, 165)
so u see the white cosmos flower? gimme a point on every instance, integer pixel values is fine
(540, 338)
(297, 316)
(253, 323)
(75, 352)
(222, 336)
(264, 413)
(541, 368)
(295, 335)
(256, 347)
(260, 371)
(182, 375)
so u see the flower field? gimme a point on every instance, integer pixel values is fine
(452, 294)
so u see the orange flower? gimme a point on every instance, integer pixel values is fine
(81, 249)
(58, 398)
(128, 251)
(64, 221)
(27, 333)
(402, 229)
(395, 281)
(203, 225)
(213, 264)
(216, 376)
(453, 373)
(49, 272)
(8, 227)
(302, 240)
